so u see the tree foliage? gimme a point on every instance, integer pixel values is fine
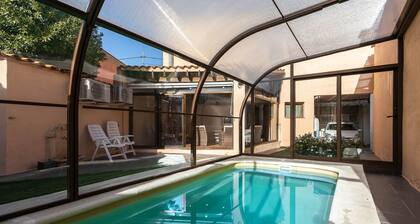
(32, 29)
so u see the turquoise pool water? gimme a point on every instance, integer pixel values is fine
(230, 196)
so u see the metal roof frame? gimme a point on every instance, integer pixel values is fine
(90, 20)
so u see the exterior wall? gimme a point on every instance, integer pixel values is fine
(284, 123)
(382, 107)
(170, 60)
(93, 116)
(305, 92)
(108, 68)
(27, 132)
(24, 128)
(384, 53)
(3, 114)
(411, 102)
(356, 58)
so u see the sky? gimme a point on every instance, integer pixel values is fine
(124, 48)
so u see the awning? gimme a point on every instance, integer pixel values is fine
(245, 38)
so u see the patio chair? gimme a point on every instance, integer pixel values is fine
(101, 141)
(201, 137)
(257, 134)
(114, 132)
(228, 135)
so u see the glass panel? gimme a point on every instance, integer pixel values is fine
(30, 55)
(378, 54)
(272, 128)
(220, 96)
(35, 57)
(170, 85)
(288, 7)
(251, 57)
(186, 25)
(145, 102)
(33, 156)
(217, 137)
(315, 132)
(345, 24)
(139, 154)
(79, 4)
(366, 111)
(125, 130)
(247, 125)
(144, 129)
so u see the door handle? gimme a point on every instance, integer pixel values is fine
(390, 116)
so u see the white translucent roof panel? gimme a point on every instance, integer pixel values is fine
(78, 4)
(196, 28)
(346, 24)
(257, 53)
(290, 6)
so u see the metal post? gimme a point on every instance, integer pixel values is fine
(130, 120)
(194, 117)
(158, 126)
(252, 125)
(398, 110)
(338, 117)
(73, 96)
(292, 111)
(241, 117)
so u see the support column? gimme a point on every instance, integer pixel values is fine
(73, 97)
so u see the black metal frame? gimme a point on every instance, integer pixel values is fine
(393, 167)
(90, 19)
(32, 103)
(73, 97)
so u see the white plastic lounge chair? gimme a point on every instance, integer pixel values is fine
(103, 142)
(114, 132)
(201, 137)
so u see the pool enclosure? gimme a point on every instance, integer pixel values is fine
(317, 80)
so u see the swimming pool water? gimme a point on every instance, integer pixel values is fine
(230, 196)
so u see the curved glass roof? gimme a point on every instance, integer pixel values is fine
(272, 31)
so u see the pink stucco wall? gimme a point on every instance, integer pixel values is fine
(24, 129)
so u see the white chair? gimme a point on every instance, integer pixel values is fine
(114, 132)
(201, 135)
(101, 141)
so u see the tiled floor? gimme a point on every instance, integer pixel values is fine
(397, 202)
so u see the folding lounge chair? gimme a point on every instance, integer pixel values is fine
(114, 132)
(98, 136)
(201, 137)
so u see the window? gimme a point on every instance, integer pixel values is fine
(299, 110)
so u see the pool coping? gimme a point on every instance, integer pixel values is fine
(351, 184)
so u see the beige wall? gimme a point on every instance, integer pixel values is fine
(382, 105)
(385, 53)
(94, 116)
(3, 114)
(24, 129)
(411, 102)
(170, 60)
(381, 90)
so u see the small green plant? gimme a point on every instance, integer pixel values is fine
(326, 147)
(311, 146)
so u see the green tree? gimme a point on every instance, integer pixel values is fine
(33, 29)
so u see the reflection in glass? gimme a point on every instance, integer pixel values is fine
(36, 47)
(217, 137)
